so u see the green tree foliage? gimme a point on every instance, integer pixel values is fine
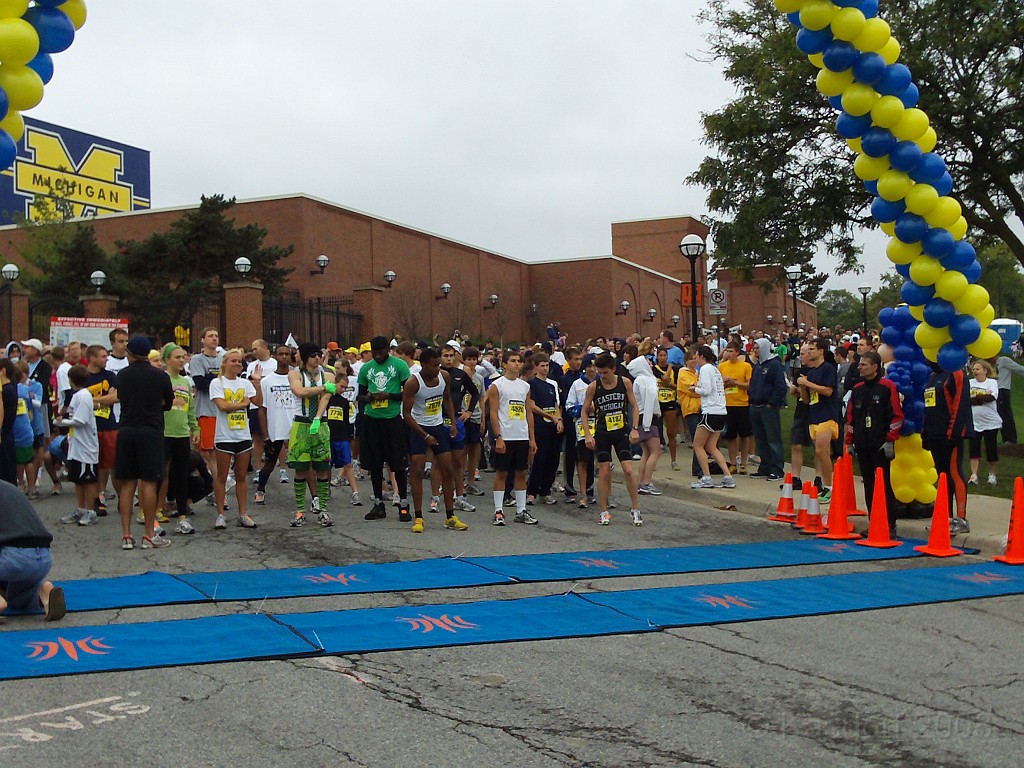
(840, 307)
(64, 256)
(782, 185)
(1002, 277)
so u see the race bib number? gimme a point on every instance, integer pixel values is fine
(102, 412)
(466, 399)
(867, 422)
(335, 413)
(929, 397)
(731, 390)
(579, 428)
(814, 398)
(22, 407)
(379, 404)
(666, 395)
(517, 410)
(238, 420)
(613, 421)
(552, 412)
(433, 406)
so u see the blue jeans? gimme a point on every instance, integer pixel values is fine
(767, 425)
(23, 571)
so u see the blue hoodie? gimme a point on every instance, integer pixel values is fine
(768, 380)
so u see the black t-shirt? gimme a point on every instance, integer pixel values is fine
(145, 393)
(98, 385)
(610, 406)
(464, 393)
(10, 400)
(338, 418)
(20, 525)
(823, 407)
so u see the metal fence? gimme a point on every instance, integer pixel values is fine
(319, 320)
(42, 308)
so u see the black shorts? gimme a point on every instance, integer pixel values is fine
(473, 433)
(83, 474)
(139, 457)
(384, 441)
(583, 454)
(418, 445)
(798, 434)
(515, 458)
(255, 428)
(272, 450)
(234, 448)
(737, 422)
(712, 422)
(617, 441)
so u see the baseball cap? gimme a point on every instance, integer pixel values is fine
(454, 345)
(394, 343)
(34, 343)
(333, 346)
(351, 351)
(589, 359)
(365, 347)
(139, 346)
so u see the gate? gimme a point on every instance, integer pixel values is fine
(319, 320)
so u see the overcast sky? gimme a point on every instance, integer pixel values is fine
(523, 127)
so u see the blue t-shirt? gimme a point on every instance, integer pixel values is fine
(822, 408)
(23, 434)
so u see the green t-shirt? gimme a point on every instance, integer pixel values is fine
(180, 421)
(387, 377)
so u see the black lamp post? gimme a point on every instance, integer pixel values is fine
(692, 247)
(865, 289)
(794, 275)
(10, 273)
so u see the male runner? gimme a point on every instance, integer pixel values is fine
(277, 411)
(508, 402)
(309, 445)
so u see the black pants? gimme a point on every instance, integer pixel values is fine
(178, 451)
(949, 458)
(569, 463)
(869, 461)
(545, 461)
(1006, 414)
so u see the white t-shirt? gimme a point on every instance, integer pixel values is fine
(711, 389)
(232, 427)
(986, 416)
(512, 395)
(281, 404)
(63, 385)
(115, 364)
(83, 442)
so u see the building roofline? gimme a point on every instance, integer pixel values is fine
(660, 218)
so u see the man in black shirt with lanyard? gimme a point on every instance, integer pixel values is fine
(464, 396)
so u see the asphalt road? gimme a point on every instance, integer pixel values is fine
(936, 685)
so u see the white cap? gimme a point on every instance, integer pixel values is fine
(394, 343)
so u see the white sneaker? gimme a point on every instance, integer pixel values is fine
(184, 527)
(728, 482)
(89, 518)
(704, 482)
(284, 476)
(316, 504)
(992, 479)
(637, 519)
(461, 505)
(972, 480)
(435, 502)
(222, 522)
(74, 517)
(356, 501)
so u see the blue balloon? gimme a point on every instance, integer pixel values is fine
(869, 68)
(811, 41)
(903, 353)
(965, 329)
(903, 270)
(905, 156)
(915, 294)
(839, 55)
(836, 102)
(5, 104)
(910, 96)
(850, 127)
(50, 3)
(869, 8)
(872, 187)
(929, 170)
(916, 407)
(960, 256)
(794, 19)
(920, 373)
(877, 142)
(8, 150)
(895, 80)
(936, 242)
(56, 31)
(901, 317)
(884, 210)
(43, 66)
(910, 228)
(939, 312)
(944, 185)
(952, 356)
(973, 271)
(847, 3)
(885, 316)
(891, 335)
(908, 332)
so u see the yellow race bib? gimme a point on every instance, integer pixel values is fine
(517, 410)
(433, 406)
(335, 413)
(102, 412)
(579, 428)
(552, 412)
(666, 395)
(22, 407)
(929, 397)
(238, 420)
(813, 400)
(614, 421)
(378, 404)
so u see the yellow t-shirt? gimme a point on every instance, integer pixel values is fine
(741, 371)
(689, 403)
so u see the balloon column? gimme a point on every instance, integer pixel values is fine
(28, 38)
(948, 313)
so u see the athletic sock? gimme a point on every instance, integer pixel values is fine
(323, 492)
(499, 499)
(520, 501)
(377, 481)
(300, 495)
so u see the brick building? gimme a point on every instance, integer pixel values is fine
(750, 305)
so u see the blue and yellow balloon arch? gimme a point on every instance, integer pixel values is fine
(29, 36)
(947, 314)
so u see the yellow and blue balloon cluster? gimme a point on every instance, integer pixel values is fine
(29, 35)
(948, 313)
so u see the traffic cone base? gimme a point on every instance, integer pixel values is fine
(814, 526)
(839, 527)
(938, 540)
(878, 526)
(1015, 535)
(785, 513)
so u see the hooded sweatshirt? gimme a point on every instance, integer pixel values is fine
(645, 389)
(768, 381)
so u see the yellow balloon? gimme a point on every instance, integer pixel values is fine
(833, 83)
(930, 475)
(930, 353)
(944, 213)
(917, 311)
(973, 300)
(894, 185)
(902, 253)
(950, 285)
(23, 86)
(958, 228)
(817, 60)
(921, 199)
(890, 52)
(989, 344)
(930, 337)
(928, 141)
(848, 23)
(925, 270)
(854, 144)
(910, 443)
(14, 124)
(903, 493)
(887, 111)
(870, 168)
(911, 126)
(19, 42)
(875, 35)
(75, 10)
(858, 99)
(986, 316)
(817, 14)
(13, 9)
(889, 227)
(927, 494)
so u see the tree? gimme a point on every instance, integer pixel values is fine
(840, 307)
(782, 183)
(1001, 275)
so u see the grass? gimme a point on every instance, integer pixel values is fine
(1011, 457)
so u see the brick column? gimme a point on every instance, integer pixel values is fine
(370, 304)
(19, 308)
(243, 313)
(99, 305)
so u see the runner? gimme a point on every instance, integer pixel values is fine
(83, 447)
(104, 396)
(266, 364)
(464, 396)
(276, 413)
(646, 392)
(584, 463)
(822, 412)
(181, 430)
(736, 373)
(574, 439)
(667, 375)
(339, 422)
(231, 395)
(547, 429)
(309, 446)
(711, 390)
(508, 402)
(474, 439)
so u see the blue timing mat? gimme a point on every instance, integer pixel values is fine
(75, 650)
(152, 588)
(812, 595)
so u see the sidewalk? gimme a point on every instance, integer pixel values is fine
(989, 517)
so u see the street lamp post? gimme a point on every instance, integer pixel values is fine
(692, 247)
(10, 273)
(794, 275)
(865, 289)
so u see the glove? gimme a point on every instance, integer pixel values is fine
(331, 387)
(889, 449)
(314, 428)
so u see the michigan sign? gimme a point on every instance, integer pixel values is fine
(89, 175)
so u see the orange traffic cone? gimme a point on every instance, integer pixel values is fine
(814, 526)
(878, 527)
(838, 523)
(938, 540)
(850, 489)
(1015, 535)
(784, 513)
(805, 499)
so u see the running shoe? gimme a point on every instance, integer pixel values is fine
(642, 489)
(260, 498)
(728, 482)
(499, 518)
(703, 482)
(972, 480)
(56, 489)
(356, 501)
(335, 481)
(675, 466)
(473, 490)
(377, 512)
(526, 518)
(653, 490)
(298, 520)
(396, 500)
(283, 474)
(417, 527)
(155, 543)
(74, 517)
(550, 500)
(316, 504)
(959, 525)
(403, 515)
(434, 502)
(825, 496)
(161, 517)
(509, 501)
(637, 519)
(572, 498)
(605, 519)
(229, 484)
(325, 520)
(454, 524)
(461, 505)
(140, 517)
(222, 522)
(992, 479)
(127, 542)
(246, 522)
(89, 518)
(184, 527)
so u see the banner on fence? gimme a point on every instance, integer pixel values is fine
(87, 330)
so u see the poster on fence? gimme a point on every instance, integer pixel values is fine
(87, 330)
